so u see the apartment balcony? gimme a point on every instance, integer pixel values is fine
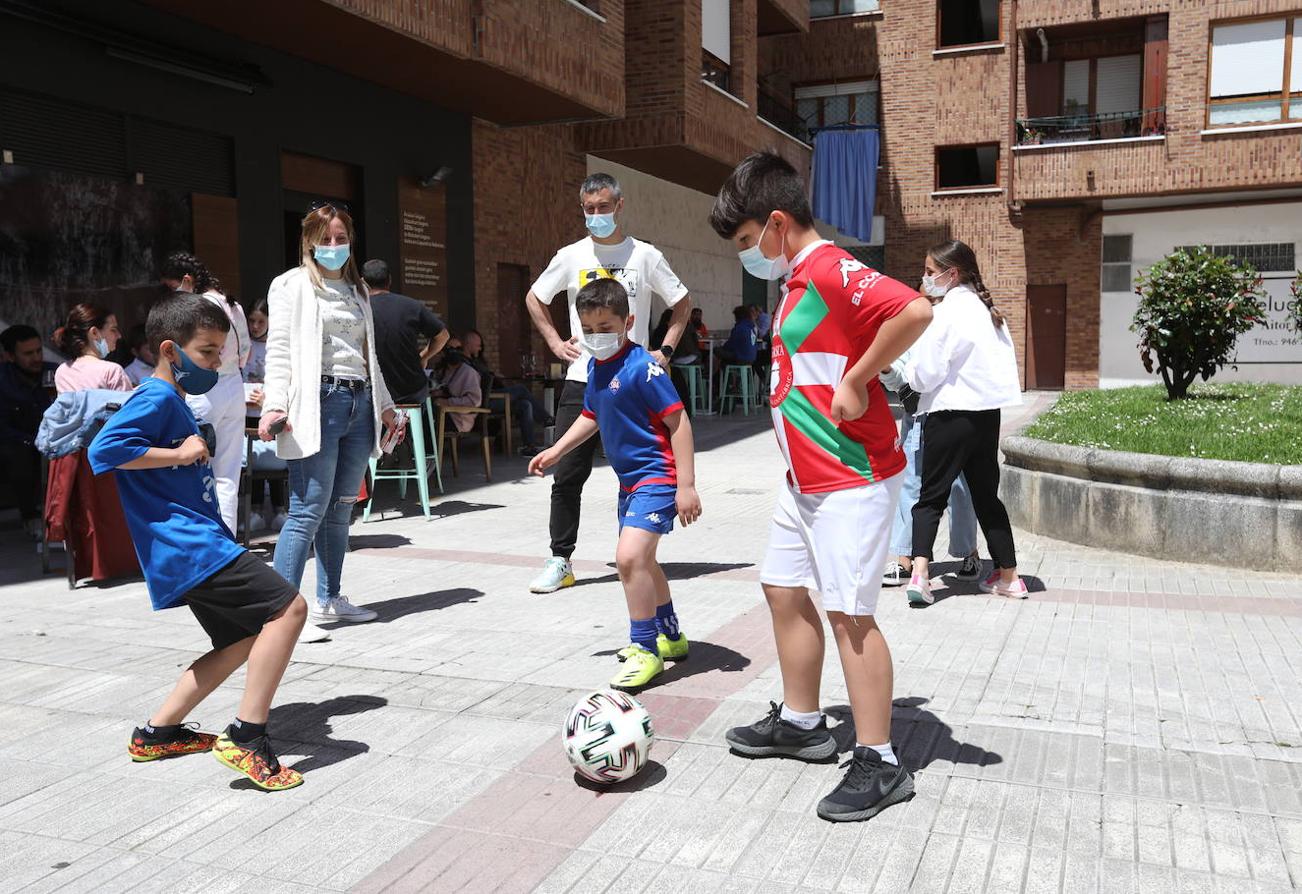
(1091, 128)
(512, 62)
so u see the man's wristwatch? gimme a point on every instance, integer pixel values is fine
(667, 350)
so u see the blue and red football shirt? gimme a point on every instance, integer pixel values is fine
(629, 396)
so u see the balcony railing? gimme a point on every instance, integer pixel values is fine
(1087, 128)
(783, 117)
(715, 71)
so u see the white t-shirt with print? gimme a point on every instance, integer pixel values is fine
(638, 266)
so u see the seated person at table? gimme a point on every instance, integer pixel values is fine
(526, 409)
(696, 322)
(143, 360)
(460, 387)
(741, 344)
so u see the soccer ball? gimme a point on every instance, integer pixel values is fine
(608, 736)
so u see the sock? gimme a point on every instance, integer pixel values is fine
(886, 751)
(804, 721)
(666, 620)
(242, 731)
(161, 732)
(643, 633)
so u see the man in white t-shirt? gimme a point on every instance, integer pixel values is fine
(642, 270)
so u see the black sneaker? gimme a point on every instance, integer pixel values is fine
(869, 787)
(970, 569)
(773, 736)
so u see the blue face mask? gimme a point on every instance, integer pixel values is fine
(101, 347)
(761, 267)
(331, 257)
(191, 377)
(600, 225)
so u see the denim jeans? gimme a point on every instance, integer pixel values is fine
(962, 517)
(323, 490)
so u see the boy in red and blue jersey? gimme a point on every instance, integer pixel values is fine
(648, 440)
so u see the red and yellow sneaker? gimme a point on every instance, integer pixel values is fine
(257, 761)
(145, 746)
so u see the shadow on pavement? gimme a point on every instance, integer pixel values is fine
(919, 736)
(954, 587)
(401, 606)
(674, 571)
(377, 541)
(703, 658)
(652, 775)
(307, 724)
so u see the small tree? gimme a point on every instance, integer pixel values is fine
(1193, 306)
(1295, 306)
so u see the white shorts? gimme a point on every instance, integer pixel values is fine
(834, 543)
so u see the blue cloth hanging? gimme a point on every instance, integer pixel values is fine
(845, 179)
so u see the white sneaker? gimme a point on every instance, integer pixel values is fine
(256, 523)
(278, 520)
(340, 609)
(895, 575)
(313, 634)
(556, 573)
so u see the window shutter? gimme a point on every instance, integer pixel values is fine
(1248, 59)
(1120, 82)
(716, 29)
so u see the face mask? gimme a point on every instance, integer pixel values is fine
(600, 225)
(191, 377)
(101, 347)
(932, 288)
(603, 345)
(761, 267)
(331, 257)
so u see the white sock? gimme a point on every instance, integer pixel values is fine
(804, 721)
(886, 751)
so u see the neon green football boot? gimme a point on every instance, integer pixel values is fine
(639, 668)
(672, 649)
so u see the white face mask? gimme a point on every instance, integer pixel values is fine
(602, 345)
(932, 288)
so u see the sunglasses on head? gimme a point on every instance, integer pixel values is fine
(327, 203)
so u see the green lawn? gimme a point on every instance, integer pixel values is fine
(1251, 423)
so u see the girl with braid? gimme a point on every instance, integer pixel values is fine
(965, 368)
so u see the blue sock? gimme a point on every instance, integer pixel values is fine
(666, 620)
(643, 633)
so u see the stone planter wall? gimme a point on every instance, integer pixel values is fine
(1187, 510)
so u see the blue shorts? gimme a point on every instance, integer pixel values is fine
(651, 508)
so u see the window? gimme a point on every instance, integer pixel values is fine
(1116, 263)
(1256, 72)
(716, 43)
(872, 255)
(1265, 257)
(826, 105)
(967, 167)
(967, 22)
(821, 9)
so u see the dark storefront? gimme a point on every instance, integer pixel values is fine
(128, 133)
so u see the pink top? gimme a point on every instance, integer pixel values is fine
(85, 373)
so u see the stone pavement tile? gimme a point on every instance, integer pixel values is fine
(937, 862)
(1118, 877)
(1007, 867)
(971, 867)
(1044, 871)
(481, 741)
(408, 788)
(20, 778)
(26, 859)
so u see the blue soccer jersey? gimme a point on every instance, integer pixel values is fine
(629, 396)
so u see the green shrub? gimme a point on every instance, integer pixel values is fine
(1193, 306)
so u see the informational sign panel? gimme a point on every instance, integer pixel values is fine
(423, 243)
(1276, 340)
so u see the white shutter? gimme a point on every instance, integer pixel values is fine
(1119, 84)
(716, 30)
(1248, 59)
(1295, 73)
(1076, 86)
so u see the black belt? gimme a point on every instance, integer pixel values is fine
(350, 384)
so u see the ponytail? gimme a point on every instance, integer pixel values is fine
(73, 338)
(958, 256)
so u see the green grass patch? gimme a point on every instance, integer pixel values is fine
(1249, 423)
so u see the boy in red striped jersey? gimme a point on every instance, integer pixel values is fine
(839, 324)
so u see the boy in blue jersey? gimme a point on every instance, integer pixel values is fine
(189, 557)
(648, 440)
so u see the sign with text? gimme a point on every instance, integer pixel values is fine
(1276, 340)
(423, 235)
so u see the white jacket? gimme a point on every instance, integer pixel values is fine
(293, 366)
(962, 362)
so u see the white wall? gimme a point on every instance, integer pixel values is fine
(677, 221)
(1270, 354)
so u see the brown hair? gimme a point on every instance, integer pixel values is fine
(74, 336)
(315, 223)
(955, 255)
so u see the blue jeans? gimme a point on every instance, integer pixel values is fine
(323, 490)
(962, 517)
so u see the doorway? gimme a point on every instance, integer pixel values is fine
(515, 347)
(1046, 337)
(306, 180)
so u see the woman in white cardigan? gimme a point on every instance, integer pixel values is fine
(324, 402)
(965, 368)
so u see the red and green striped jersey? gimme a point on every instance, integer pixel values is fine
(832, 307)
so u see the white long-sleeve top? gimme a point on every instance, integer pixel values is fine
(962, 362)
(293, 364)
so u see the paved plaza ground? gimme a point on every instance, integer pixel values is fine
(1136, 725)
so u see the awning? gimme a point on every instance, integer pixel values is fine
(845, 178)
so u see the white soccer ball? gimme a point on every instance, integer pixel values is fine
(608, 736)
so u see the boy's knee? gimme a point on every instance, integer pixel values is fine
(296, 611)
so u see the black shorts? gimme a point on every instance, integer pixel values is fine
(238, 600)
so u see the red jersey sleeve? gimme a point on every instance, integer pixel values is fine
(861, 297)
